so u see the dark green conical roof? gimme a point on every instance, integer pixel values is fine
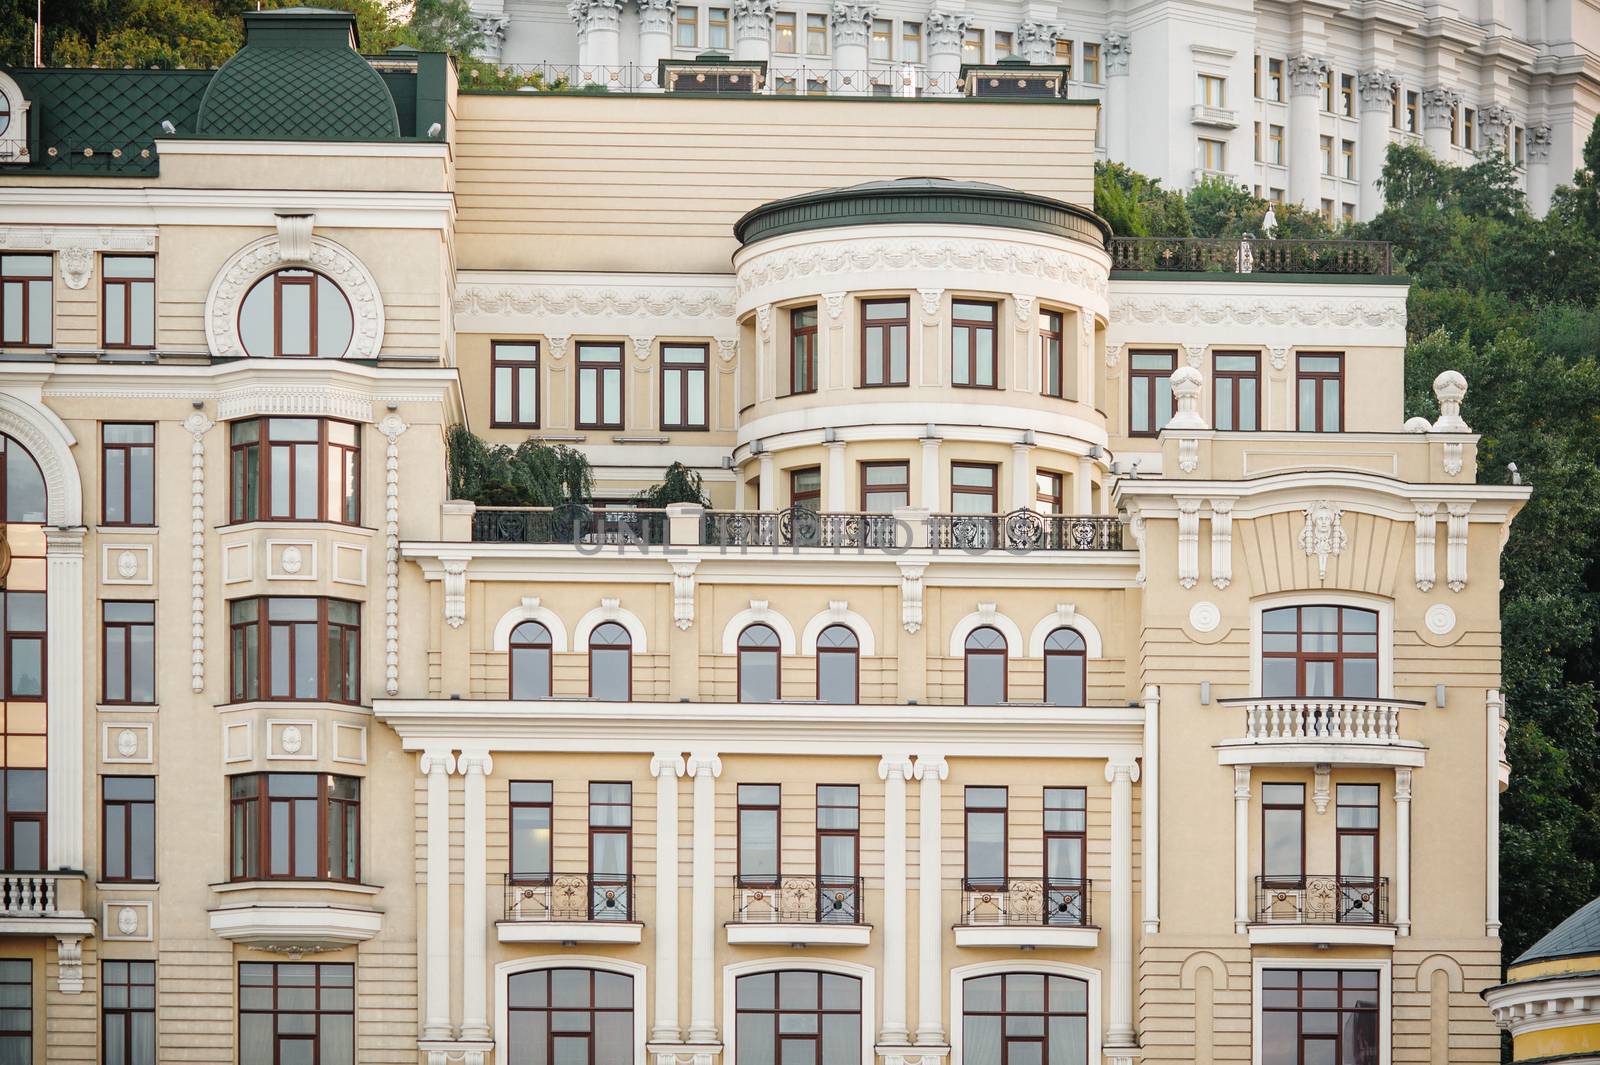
(298, 77)
(1577, 936)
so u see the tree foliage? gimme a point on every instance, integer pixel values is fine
(679, 484)
(531, 475)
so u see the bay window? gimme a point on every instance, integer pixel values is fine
(295, 469)
(306, 648)
(295, 826)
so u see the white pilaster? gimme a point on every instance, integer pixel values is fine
(1439, 107)
(704, 768)
(931, 770)
(1540, 179)
(930, 476)
(438, 765)
(1377, 89)
(666, 768)
(1495, 708)
(752, 21)
(64, 747)
(1083, 487)
(1305, 129)
(1402, 851)
(894, 770)
(1149, 814)
(768, 485)
(833, 484)
(1120, 774)
(1117, 52)
(1021, 476)
(475, 767)
(851, 22)
(946, 30)
(1241, 848)
(655, 34)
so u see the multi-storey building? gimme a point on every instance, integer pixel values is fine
(1067, 665)
(1295, 101)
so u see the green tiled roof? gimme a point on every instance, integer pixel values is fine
(1575, 937)
(115, 115)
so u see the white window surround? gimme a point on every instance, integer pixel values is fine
(1384, 608)
(531, 610)
(1094, 646)
(865, 973)
(850, 620)
(1385, 995)
(960, 974)
(599, 616)
(267, 255)
(504, 971)
(759, 615)
(979, 619)
(15, 137)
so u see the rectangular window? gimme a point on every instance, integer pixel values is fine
(531, 814)
(1212, 90)
(1213, 155)
(973, 354)
(1469, 129)
(610, 851)
(1047, 497)
(911, 42)
(688, 23)
(1347, 95)
(128, 301)
(1275, 145)
(973, 488)
(16, 1010)
(685, 386)
(1258, 142)
(717, 28)
(884, 486)
(1064, 54)
(128, 828)
(839, 849)
(1310, 1016)
(1358, 839)
(128, 653)
(758, 834)
(25, 300)
(1150, 391)
(22, 649)
(1327, 91)
(972, 46)
(882, 38)
(294, 826)
(297, 1012)
(1065, 828)
(1347, 212)
(1255, 73)
(805, 488)
(514, 386)
(128, 472)
(1347, 155)
(128, 1013)
(1319, 380)
(295, 469)
(1275, 80)
(1327, 211)
(783, 29)
(1091, 63)
(1411, 112)
(986, 837)
(1394, 107)
(600, 384)
(1053, 369)
(803, 349)
(816, 35)
(1283, 831)
(885, 342)
(310, 649)
(1238, 391)
(1327, 155)
(1319, 652)
(1517, 157)
(1455, 125)
(1002, 44)
(25, 811)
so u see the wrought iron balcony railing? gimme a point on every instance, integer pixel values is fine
(1364, 721)
(571, 524)
(1225, 255)
(1038, 902)
(798, 900)
(569, 897)
(1024, 530)
(1322, 900)
(797, 527)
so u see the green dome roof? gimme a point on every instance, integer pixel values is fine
(1575, 937)
(298, 77)
(922, 199)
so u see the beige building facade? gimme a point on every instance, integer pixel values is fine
(1065, 666)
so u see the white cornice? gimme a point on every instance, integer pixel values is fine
(104, 205)
(1355, 490)
(1538, 1004)
(337, 149)
(883, 419)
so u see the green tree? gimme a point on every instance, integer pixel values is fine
(1137, 206)
(531, 475)
(679, 484)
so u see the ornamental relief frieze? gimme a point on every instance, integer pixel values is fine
(1224, 311)
(657, 302)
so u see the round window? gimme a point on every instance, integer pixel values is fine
(295, 314)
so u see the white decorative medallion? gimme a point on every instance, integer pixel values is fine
(127, 921)
(127, 743)
(1204, 617)
(292, 739)
(1440, 619)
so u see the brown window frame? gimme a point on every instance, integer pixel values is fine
(686, 370)
(776, 650)
(126, 297)
(992, 493)
(777, 1011)
(967, 652)
(260, 806)
(1080, 653)
(967, 810)
(811, 501)
(887, 327)
(593, 1014)
(513, 804)
(127, 976)
(1078, 836)
(12, 636)
(319, 987)
(126, 629)
(1231, 378)
(127, 451)
(1050, 502)
(113, 809)
(1268, 879)
(1052, 353)
(825, 881)
(1154, 376)
(1344, 1016)
(27, 282)
(1319, 376)
(626, 832)
(1302, 657)
(975, 328)
(1341, 833)
(263, 624)
(1045, 1013)
(515, 644)
(775, 808)
(853, 651)
(240, 511)
(601, 370)
(589, 654)
(803, 350)
(516, 368)
(290, 277)
(903, 486)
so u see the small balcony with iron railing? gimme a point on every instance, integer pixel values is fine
(570, 908)
(1301, 732)
(799, 910)
(1322, 909)
(1156, 256)
(571, 524)
(798, 527)
(1027, 912)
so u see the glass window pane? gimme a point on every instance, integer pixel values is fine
(295, 319)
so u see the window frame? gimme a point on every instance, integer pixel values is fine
(593, 1014)
(1297, 882)
(594, 831)
(811, 501)
(685, 370)
(263, 444)
(874, 489)
(1078, 836)
(125, 811)
(853, 651)
(107, 627)
(124, 1015)
(887, 327)
(1053, 501)
(803, 349)
(1383, 998)
(992, 493)
(775, 650)
(1052, 353)
(780, 19)
(128, 451)
(1375, 833)
(775, 1052)
(513, 804)
(775, 808)
(263, 624)
(1319, 376)
(1081, 654)
(263, 801)
(967, 811)
(1233, 378)
(127, 284)
(516, 369)
(1004, 653)
(589, 654)
(1005, 972)
(7, 1034)
(601, 371)
(1380, 656)
(825, 881)
(291, 277)
(1154, 377)
(27, 283)
(513, 645)
(317, 1011)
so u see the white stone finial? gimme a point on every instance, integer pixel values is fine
(1450, 388)
(1418, 425)
(1186, 381)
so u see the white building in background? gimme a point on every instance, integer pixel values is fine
(1295, 100)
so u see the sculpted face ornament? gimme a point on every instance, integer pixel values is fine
(1323, 535)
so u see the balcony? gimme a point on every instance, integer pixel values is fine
(1321, 910)
(797, 527)
(571, 524)
(1024, 530)
(799, 910)
(1214, 117)
(1222, 255)
(569, 908)
(1027, 913)
(1351, 732)
(43, 904)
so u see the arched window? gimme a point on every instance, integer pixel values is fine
(1013, 1018)
(1316, 652)
(577, 1016)
(986, 667)
(24, 484)
(798, 1017)
(295, 313)
(759, 653)
(1064, 653)
(530, 661)
(838, 665)
(610, 663)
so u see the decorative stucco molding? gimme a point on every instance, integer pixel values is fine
(302, 399)
(391, 427)
(1226, 310)
(259, 258)
(197, 425)
(1426, 537)
(646, 302)
(1221, 542)
(911, 595)
(1323, 536)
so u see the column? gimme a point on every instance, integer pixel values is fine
(768, 489)
(655, 38)
(1305, 130)
(603, 35)
(1494, 751)
(1083, 487)
(946, 30)
(704, 768)
(1540, 184)
(666, 768)
(894, 770)
(1120, 774)
(1377, 88)
(930, 475)
(852, 25)
(1117, 52)
(64, 675)
(833, 483)
(475, 767)
(1150, 811)
(931, 770)
(1021, 476)
(1402, 851)
(753, 29)
(1036, 42)
(1241, 848)
(438, 765)
(1439, 107)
